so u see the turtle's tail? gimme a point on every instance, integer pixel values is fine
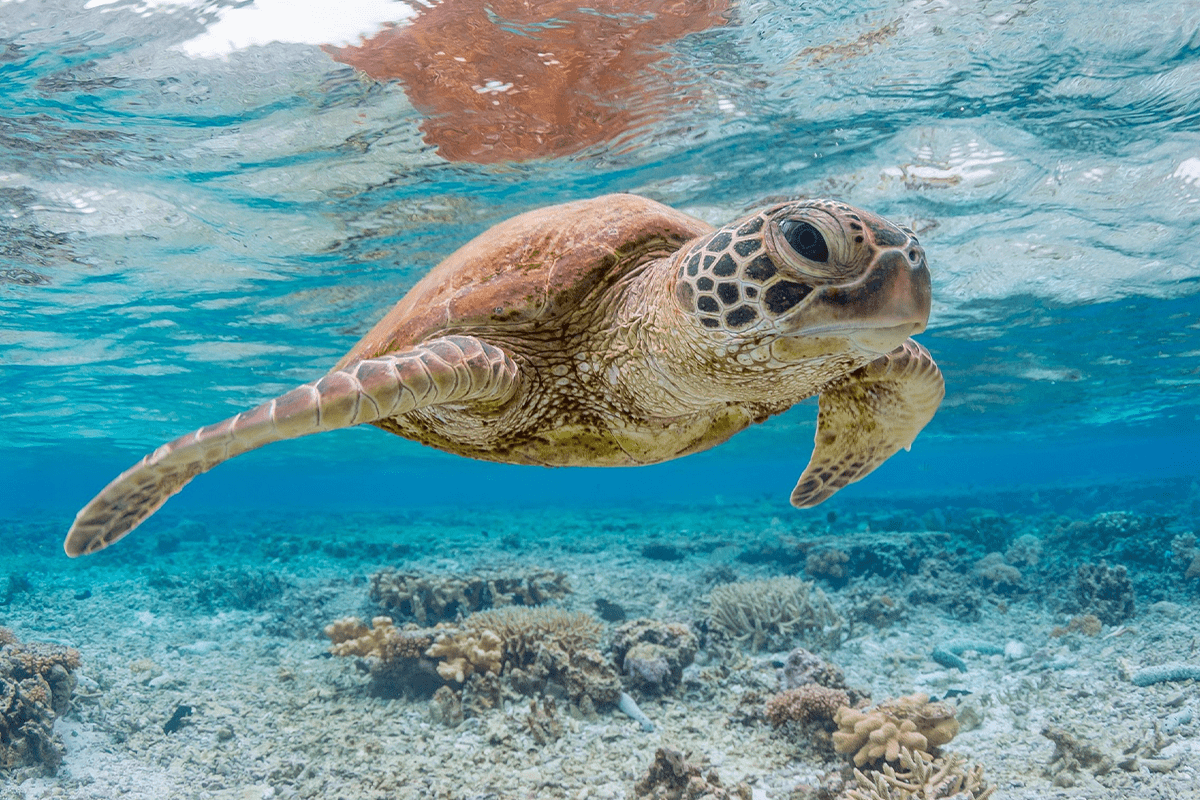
(444, 370)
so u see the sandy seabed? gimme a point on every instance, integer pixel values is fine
(224, 614)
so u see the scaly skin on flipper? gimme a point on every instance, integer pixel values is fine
(453, 368)
(866, 417)
(615, 332)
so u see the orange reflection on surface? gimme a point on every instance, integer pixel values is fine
(509, 80)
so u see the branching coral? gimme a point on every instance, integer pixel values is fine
(921, 778)
(549, 645)
(396, 657)
(774, 611)
(530, 646)
(910, 722)
(466, 653)
(524, 630)
(808, 703)
(382, 640)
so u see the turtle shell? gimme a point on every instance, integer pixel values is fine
(530, 271)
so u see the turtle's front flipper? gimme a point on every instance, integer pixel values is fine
(866, 417)
(449, 369)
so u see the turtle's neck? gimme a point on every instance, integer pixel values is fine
(661, 356)
(674, 367)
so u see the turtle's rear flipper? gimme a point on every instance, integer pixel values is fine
(449, 369)
(866, 417)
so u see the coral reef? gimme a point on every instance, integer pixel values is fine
(652, 655)
(997, 574)
(802, 667)
(36, 683)
(827, 563)
(804, 704)
(445, 707)
(1105, 591)
(673, 777)
(1119, 524)
(442, 598)
(473, 652)
(586, 676)
(1121, 536)
(1087, 624)
(532, 647)
(939, 582)
(773, 612)
(877, 609)
(395, 658)
(910, 721)
(525, 630)
(1072, 754)
(481, 693)
(548, 647)
(1025, 551)
(382, 640)
(867, 553)
(921, 778)
(543, 723)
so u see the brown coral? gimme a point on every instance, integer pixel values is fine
(652, 655)
(1087, 624)
(523, 630)
(911, 722)
(395, 657)
(673, 777)
(382, 640)
(1105, 591)
(35, 687)
(829, 563)
(587, 676)
(808, 703)
(921, 778)
(996, 573)
(442, 598)
(466, 653)
(803, 667)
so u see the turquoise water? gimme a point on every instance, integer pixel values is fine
(205, 203)
(187, 232)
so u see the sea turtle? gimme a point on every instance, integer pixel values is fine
(614, 332)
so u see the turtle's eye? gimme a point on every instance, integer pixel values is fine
(805, 240)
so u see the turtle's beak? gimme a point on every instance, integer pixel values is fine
(879, 310)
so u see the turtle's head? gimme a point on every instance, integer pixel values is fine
(812, 269)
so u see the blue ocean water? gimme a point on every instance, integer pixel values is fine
(189, 232)
(204, 203)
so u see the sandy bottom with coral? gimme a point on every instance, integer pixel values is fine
(224, 615)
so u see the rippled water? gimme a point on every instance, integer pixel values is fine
(205, 203)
